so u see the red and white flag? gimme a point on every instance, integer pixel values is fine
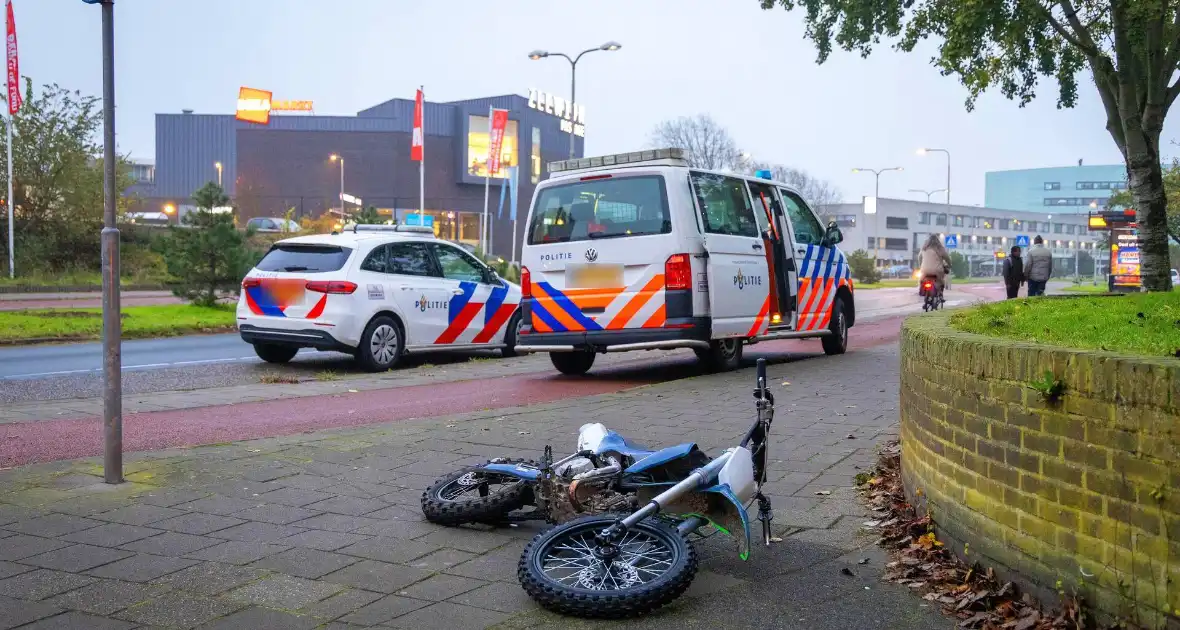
(14, 100)
(416, 145)
(496, 139)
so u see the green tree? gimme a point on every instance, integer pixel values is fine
(368, 216)
(1131, 47)
(57, 180)
(862, 267)
(207, 255)
(960, 266)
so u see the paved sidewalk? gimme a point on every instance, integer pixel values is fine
(324, 529)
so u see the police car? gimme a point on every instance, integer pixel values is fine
(377, 292)
(640, 251)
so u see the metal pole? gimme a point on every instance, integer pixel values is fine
(487, 184)
(421, 167)
(877, 220)
(10, 203)
(112, 399)
(573, 97)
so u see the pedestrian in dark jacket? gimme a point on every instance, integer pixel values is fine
(1013, 273)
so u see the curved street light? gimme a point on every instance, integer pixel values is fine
(876, 195)
(542, 54)
(928, 193)
(948, 169)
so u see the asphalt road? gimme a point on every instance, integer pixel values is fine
(52, 372)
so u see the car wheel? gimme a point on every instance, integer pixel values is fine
(837, 341)
(511, 335)
(572, 363)
(723, 355)
(381, 344)
(275, 353)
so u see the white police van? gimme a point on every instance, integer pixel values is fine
(639, 251)
(376, 292)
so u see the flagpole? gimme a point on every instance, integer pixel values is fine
(422, 165)
(11, 237)
(487, 184)
(512, 208)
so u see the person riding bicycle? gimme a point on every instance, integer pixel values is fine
(934, 261)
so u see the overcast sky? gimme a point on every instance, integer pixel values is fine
(750, 69)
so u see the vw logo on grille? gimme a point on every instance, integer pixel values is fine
(591, 255)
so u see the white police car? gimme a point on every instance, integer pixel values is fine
(376, 292)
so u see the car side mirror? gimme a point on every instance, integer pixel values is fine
(833, 235)
(491, 275)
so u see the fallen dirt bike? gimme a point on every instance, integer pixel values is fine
(612, 566)
(602, 476)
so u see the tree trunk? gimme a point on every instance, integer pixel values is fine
(1151, 207)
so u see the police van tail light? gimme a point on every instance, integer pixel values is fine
(678, 273)
(250, 283)
(526, 283)
(341, 287)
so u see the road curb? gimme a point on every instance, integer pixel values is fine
(40, 341)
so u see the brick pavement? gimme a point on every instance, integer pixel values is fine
(324, 529)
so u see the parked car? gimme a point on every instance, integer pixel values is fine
(1175, 278)
(271, 225)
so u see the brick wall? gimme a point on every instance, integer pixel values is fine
(1079, 495)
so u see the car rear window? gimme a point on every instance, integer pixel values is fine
(309, 258)
(606, 207)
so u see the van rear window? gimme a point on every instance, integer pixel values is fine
(610, 207)
(308, 258)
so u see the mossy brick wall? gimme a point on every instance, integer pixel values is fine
(1081, 495)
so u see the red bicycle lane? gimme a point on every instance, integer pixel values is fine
(59, 439)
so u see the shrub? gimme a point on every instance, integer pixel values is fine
(863, 267)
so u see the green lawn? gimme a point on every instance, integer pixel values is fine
(1136, 323)
(1085, 288)
(138, 322)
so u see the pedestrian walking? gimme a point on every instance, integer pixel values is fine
(1038, 267)
(1013, 273)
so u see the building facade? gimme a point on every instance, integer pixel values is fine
(1066, 189)
(896, 231)
(286, 166)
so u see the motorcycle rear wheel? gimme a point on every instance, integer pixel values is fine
(473, 495)
(560, 570)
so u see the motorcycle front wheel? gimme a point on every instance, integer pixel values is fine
(474, 495)
(564, 570)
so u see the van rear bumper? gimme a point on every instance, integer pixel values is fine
(692, 333)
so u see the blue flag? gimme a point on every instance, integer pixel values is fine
(513, 189)
(503, 191)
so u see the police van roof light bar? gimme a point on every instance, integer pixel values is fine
(618, 159)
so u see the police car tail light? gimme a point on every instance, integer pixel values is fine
(678, 273)
(342, 287)
(526, 283)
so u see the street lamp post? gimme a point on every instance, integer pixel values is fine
(541, 54)
(876, 197)
(928, 193)
(948, 169)
(336, 158)
(112, 358)
(217, 165)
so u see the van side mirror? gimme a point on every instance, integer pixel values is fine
(833, 236)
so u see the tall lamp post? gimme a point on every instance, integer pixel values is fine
(541, 54)
(217, 165)
(876, 196)
(112, 326)
(336, 158)
(948, 169)
(928, 193)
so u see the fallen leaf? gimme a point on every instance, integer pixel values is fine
(451, 426)
(352, 391)
(785, 383)
(823, 493)
(775, 539)
(850, 437)
(863, 561)
(522, 433)
(847, 571)
(871, 523)
(253, 450)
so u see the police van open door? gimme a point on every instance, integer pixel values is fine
(736, 257)
(778, 310)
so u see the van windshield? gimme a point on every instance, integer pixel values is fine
(309, 258)
(596, 208)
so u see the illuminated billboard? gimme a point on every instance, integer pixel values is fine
(255, 106)
(477, 148)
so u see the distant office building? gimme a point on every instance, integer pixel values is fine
(1062, 189)
(899, 227)
(286, 164)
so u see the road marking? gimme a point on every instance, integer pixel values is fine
(126, 367)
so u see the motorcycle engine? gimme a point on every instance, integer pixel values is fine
(565, 499)
(575, 466)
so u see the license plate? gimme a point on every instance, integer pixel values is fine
(285, 291)
(594, 276)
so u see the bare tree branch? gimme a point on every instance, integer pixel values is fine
(708, 144)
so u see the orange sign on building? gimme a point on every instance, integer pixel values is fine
(255, 106)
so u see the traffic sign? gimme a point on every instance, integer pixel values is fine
(1022, 240)
(951, 241)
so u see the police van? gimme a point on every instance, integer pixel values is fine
(639, 251)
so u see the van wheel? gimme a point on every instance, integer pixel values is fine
(275, 353)
(837, 342)
(723, 355)
(572, 363)
(511, 335)
(381, 345)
